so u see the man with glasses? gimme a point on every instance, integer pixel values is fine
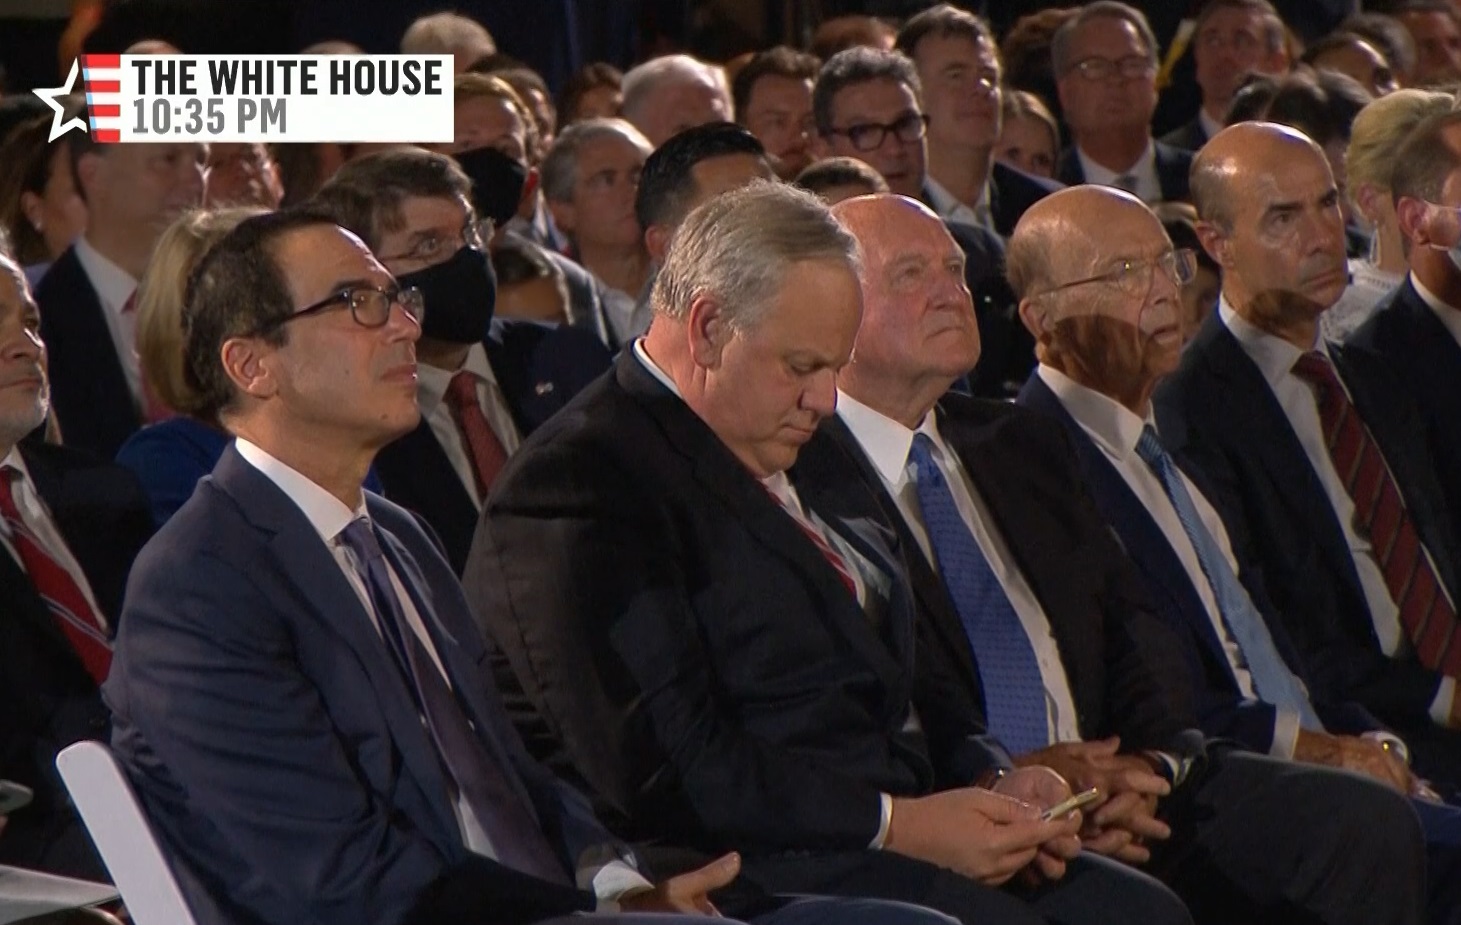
(1231, 40)
(867, 104)
(1028, 606)
(1105, 61)
(1315, 452)
(482, 386)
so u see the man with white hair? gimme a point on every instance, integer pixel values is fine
(447, 33)
(666, 95)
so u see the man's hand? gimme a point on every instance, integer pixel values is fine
(1354, 753)
(687, 894)
(1043, 788)
(1126, 818)
(983, 835)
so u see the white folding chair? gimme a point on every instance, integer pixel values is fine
(122, 835)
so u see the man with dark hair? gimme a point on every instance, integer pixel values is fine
(773, 100)
(1231, 39)
(1105, 61)
(959, 69)
(482, 385)
(1435, 27)
(1417, 329)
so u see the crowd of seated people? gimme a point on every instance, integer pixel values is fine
(904, 480)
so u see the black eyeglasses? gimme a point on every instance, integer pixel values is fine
(870, 136)
(370, 306)
(1130, 67)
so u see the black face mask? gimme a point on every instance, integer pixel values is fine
(460, 293)
(497, 183)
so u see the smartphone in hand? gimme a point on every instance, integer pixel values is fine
(1066, 807)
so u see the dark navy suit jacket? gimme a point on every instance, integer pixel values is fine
(1173, 165)
(539, 368)
(277, 749)
(1221, 710)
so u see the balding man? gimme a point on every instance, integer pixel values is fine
(666, 95)
(1315, 453)
(1026, 601)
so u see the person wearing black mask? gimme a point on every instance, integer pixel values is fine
(483, 385)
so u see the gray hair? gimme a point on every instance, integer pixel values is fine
(560, 167)
(739, 246)
(1102, 9)
(641, 81)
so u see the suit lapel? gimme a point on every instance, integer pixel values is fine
(307, 564)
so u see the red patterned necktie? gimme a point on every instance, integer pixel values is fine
(1379, 514)
(60, 592)
(833, 557)
(485, 449)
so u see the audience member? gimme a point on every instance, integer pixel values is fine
(1105, 62)
(719, 665)
(773, 100)
(840, 33)
(382, 747)
(834, 179)
(1029, 139)
(1417, 328)
(481, 387)
(589, 182)
(242, 174)
(132, 193)
(181, 446)
(534, 93)
(1232, 39)
(69, 529)
(304, 166)
(1315, 455)
(1251, 100)
(529, 286)
(666, 95)
(1025, 53)
(1355, 57)
(448, 33)
(1370, 160)
(1199, 294)
(595, 92)
(43, 215)
(1389, 37)
(332, 47)
(1435, 28)
(959, 75)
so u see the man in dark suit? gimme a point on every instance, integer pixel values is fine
(959, 69)
(132, 193)
(297, 656)
(69, 528)
(484, 384)
(1105, 62)
(722, 668)
(1315, 453)
(1417, 330)
(1042, 621)
(867, 104)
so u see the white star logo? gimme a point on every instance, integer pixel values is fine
(49, 98)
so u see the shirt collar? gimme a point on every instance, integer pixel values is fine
(113, 284)
(13, 460)
(432, 383)
(1110, 424)
(949, 208)
(1143, 171)
(885, 441)
(326, 513)
(1274, 356)
(654, 370)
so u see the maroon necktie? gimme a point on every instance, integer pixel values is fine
(1380, 515)
(485, 449)
(60, 592)
(833, 557)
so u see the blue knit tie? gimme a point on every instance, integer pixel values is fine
(1272, 680)
(1014, 692)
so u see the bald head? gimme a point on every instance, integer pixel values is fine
(1062, 237)
(1237, 155)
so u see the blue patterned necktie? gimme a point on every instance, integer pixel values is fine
(1273, 682)
(1014, 692)
(480, 773)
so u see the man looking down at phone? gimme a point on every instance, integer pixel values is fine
(1027, 604)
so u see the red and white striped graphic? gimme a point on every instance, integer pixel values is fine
(103, 77)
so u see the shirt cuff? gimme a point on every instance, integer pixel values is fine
(609, 877)
(1285, 734)
(1442, 705)
(885, 822)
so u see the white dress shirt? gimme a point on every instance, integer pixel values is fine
(1144, 172)
(330, 516)
(1275, 358)
(114, 286)
(37, 517)
(431, 386)
(1449, 316)
(950, 209)
(1116, 430)
(887, 443)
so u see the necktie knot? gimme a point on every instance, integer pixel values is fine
(920, 457)
(1316, 368)
(1149, 448)
(359, 536)
(461, 391)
